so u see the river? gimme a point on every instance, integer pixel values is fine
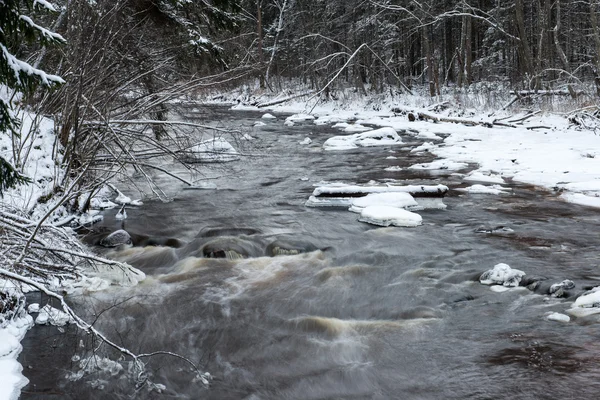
(361, 312)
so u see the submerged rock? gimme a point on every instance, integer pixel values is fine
(116, 238)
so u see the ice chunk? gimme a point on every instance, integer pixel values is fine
(558, 317)
(306, 141)
(386, 216)
(268, 116)
(397, 199)
(589, 299)
(259, 123)
(502, 274)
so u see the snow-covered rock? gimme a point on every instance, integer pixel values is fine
(49, 315)
(377, 137)
(116, 238)
(424, 147)
(386, 216)
(268, 116)
(502, 274)
(482, 189)
(212, 151)
(306, 141)
(299, 118)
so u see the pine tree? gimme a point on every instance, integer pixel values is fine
(16, 28)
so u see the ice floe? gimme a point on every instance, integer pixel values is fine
(555, 316)
(386, 216)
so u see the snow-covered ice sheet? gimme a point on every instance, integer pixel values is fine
(376, 137)
(386, 216)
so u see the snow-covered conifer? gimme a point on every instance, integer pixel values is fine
(16, 74)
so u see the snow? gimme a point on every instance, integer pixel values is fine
(386, 216)
(306, 141)
(377, 137)
(398, 200)
(11, 334)
(268, 116)
(481, 189)
(19, 66)
(502, 274)
(259, 124)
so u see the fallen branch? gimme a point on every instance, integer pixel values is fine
(279, 101)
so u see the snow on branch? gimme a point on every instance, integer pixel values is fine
(44, 4)
(52, 36)
(21, 67)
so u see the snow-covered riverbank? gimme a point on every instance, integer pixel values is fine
(546, 149)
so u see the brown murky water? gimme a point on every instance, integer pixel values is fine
(352, 311)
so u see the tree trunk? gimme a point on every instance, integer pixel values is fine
(596, 36)
(524, 49)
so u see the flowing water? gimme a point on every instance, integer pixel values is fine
(345, 310)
